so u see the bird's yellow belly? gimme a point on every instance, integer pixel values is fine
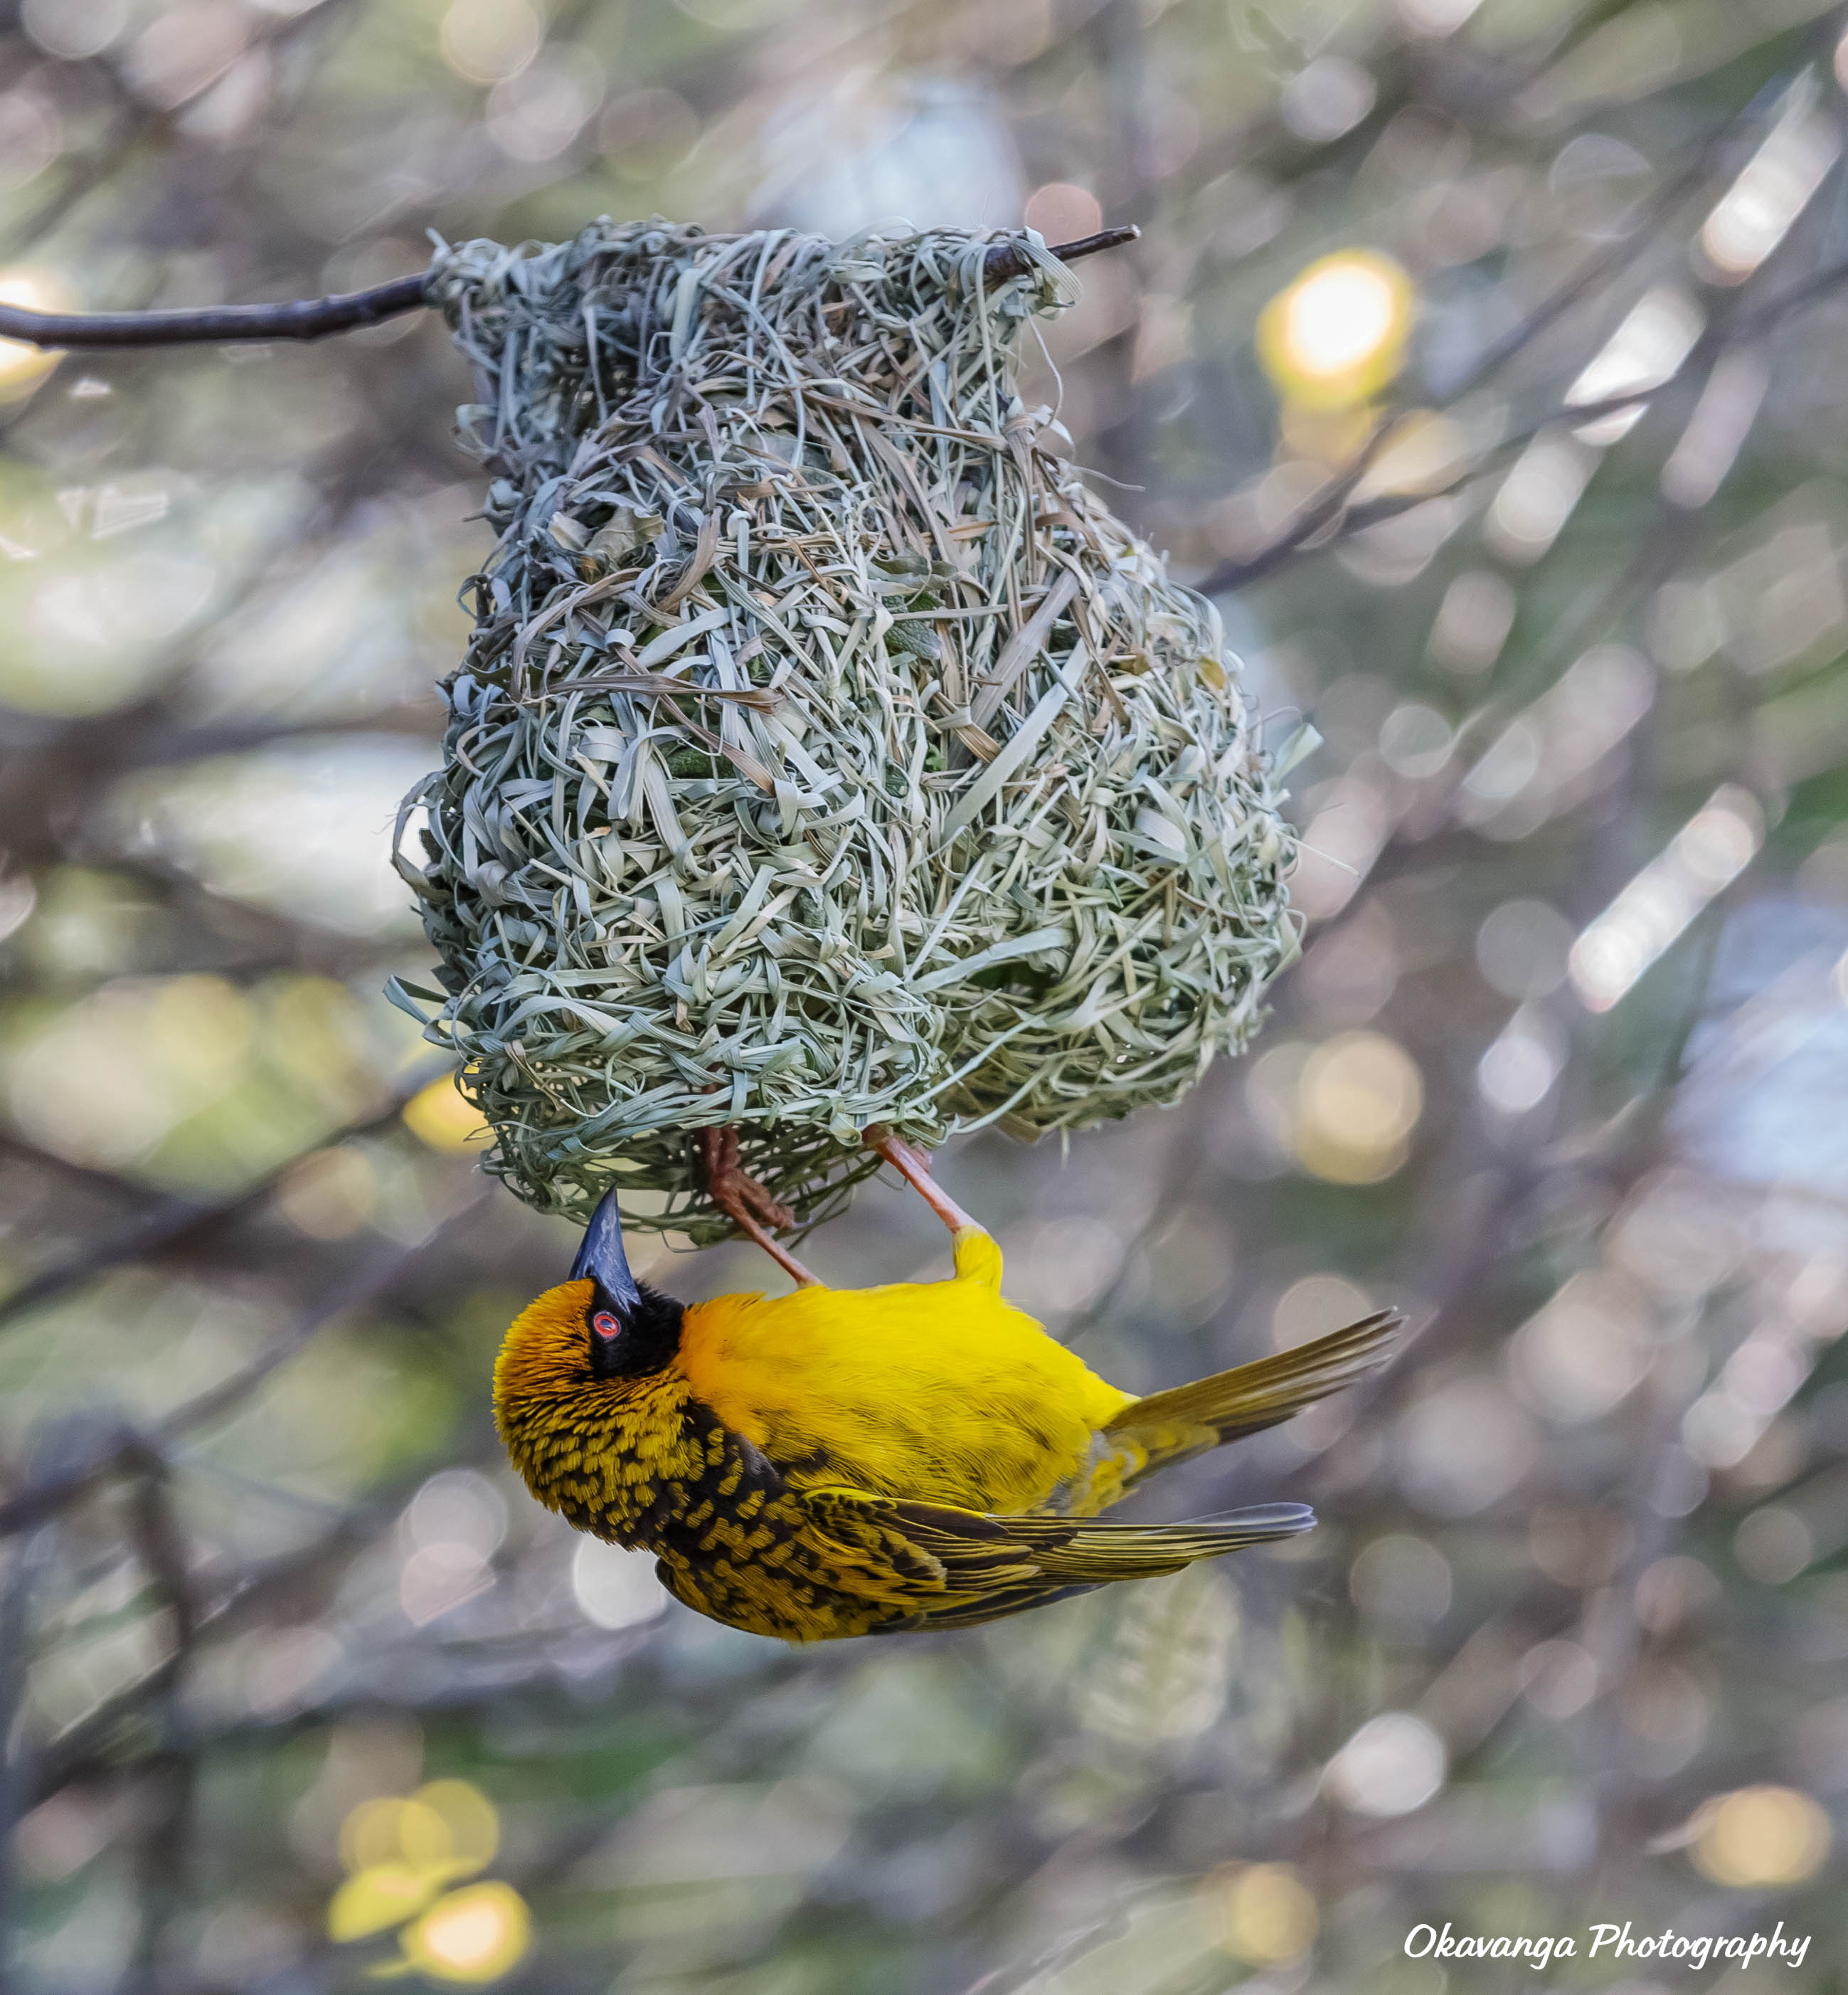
(933, 1391)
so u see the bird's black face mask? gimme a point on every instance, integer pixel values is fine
(633, 1330)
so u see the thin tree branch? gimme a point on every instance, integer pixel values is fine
(301, 318)
(1329, 505)
(315, 319)
(175, 1220)
(162, 1859)
(95, 1745)
(18, 1762)
(128, 1450)
(1008, 260)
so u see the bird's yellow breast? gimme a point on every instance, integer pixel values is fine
(937, 1391)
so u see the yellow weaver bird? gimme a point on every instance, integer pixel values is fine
(837, 1462)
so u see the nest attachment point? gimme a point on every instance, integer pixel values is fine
(824, 753)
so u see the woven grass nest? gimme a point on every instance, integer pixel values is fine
(824, 753)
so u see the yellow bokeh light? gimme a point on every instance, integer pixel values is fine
(1357, 1102)
(23, 367)
(473, 1935)
(450, 1823)
(1334, 338)
(1263, 1912)
(468, 1818)
(1763, 1835)
(438, 1115)
(402, 1852)
(488, 41)
(379, 1898)
(391, 1830)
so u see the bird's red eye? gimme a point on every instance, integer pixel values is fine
(606, 1325)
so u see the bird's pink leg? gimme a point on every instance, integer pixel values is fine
(913, 1165)
(746, 1203)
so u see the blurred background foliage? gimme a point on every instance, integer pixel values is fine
(296, 1685)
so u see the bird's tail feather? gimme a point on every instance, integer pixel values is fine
(1097, 1552)
(1254, 1396)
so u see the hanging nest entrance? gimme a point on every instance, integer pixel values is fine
(824, 753)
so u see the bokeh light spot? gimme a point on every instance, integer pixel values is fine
(1774, 1545)
(1762, 1835)
(185, 50)
(1431, 20)
(1559, 1679)
(1327, 97)
(488, 41)
(1401, 1579)
(402, 1852)
(1647, 349)
(1315, 1305)
(1394, 1763)
(1062, 212)
(378, 1898)
(1586, 1350)
(75, 28)
(1463, 1446)
(23, 367)
(615, 1587)
(1358, 1102)
(1517, 1071)
(1773, 187)
(1415, 740)
(647, 131)
(329, 1194)
(468, 1818)
(458, 1506)
(1336, 335)
(473, 1935)
(441, 1117)
(1522, 948)
(1472, 622)
(1263, 1912)
(1538, 495)
(1707, 854)
(535, 115)
(389, 1829)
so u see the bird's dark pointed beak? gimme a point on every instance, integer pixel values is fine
(601, 1257)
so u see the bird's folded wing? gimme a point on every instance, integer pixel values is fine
(955, 1567)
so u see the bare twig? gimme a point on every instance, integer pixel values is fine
(176, 1220)
(1321, 511)
(17, 1766)
(1328, 506)
(127, 1451)
(99, 1743)
(300, 318)
(162, 1859)
(1007, 260)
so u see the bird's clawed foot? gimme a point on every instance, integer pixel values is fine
(913, 1165)
(747, 1204)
